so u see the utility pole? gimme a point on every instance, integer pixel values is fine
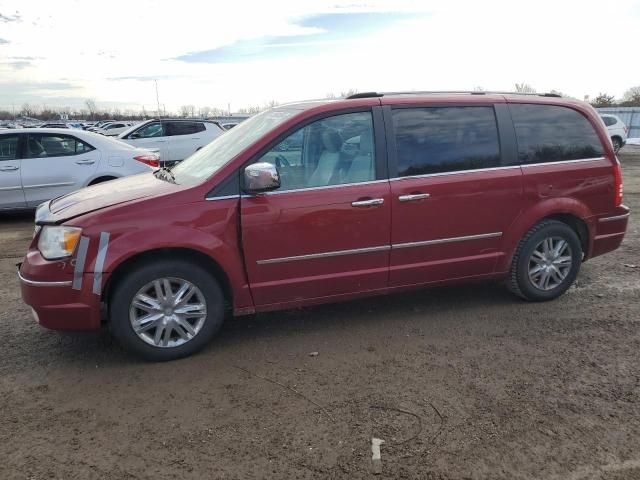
(158, 99)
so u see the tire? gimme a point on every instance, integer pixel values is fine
(617, 144)
(529, 270)
(122, 312)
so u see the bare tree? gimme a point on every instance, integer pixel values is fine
(187, 111)
(631, 97)
(28, 110)
(91, 106)
(203, 112)
(524, 88)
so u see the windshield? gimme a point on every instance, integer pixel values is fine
(208, 160)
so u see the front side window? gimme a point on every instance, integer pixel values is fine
(332, 151)
(549, 133)
(42, 146)
(149, 131)
(8, 147)
(445, 139)
(184, 128)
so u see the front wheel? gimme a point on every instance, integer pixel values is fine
(166, 309)
(546, 262)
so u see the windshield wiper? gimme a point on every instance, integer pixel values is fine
(165, 174)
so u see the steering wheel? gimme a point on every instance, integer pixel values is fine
(281, 161)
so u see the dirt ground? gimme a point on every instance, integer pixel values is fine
(461, 383)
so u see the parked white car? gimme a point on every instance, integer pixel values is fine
(174, 139)
(114, 129)
(618, 131)
(98, 125)
(37, 165)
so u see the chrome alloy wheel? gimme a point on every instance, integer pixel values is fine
(168, 312)
(550, 263)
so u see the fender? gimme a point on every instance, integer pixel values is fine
(194, 226)
(536, 212)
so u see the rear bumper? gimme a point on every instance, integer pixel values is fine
(56, 305)
(610, 231)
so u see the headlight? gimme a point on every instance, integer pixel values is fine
(58, 241)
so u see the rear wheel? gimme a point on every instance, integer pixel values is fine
(166, 310)
(546, 262)
(617, 144)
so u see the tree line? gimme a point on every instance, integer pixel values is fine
(90, 111)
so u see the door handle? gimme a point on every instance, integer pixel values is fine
(413, 196)
(9, 168)
(368, 203)
(85, 162)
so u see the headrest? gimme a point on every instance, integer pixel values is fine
(331, 140)
(366, 142)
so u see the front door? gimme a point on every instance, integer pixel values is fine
(151, 136)
(326, 231)
(55, 164)
(11, 195)
(452, 196)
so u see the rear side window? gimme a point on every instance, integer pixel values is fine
(42, 146)
(445, 139)
(608, 121)
(549, 133)
(184, 128)
(8, 147)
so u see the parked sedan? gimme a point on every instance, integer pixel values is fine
(114, 129)
(38, 165)
(175, 139)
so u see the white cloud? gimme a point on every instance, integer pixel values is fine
(453, 45)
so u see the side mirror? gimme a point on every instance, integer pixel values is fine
(134, 135)
(261, 177)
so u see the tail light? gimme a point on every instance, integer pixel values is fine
(151, 159)
(617, 174)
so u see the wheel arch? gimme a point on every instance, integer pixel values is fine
(183, 253)
(568, 211)
(101, 178)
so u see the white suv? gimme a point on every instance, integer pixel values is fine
(115, 128)
(174, 139)
(618, 131)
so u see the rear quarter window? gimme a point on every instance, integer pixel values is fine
(609, 121)
(549, 133)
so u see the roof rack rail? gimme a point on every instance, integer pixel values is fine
(447, 92)
(364, 95)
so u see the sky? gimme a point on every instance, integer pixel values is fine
(243, 53)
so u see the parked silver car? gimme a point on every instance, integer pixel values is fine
(38, 165)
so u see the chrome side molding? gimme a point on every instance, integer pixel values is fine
(445, 240)
(336, 253)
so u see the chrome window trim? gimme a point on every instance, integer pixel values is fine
(616, 217)
(445, 240)
(336, 253)
(456, 172)
(560, 162)
(223, 197)
(35, 283)
(324, 187)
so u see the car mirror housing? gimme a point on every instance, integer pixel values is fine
(261, 177)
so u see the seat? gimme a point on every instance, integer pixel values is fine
(361, 168)
(328, 160)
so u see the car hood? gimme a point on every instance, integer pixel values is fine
(101, 196)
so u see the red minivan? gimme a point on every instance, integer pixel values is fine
(330, 200)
